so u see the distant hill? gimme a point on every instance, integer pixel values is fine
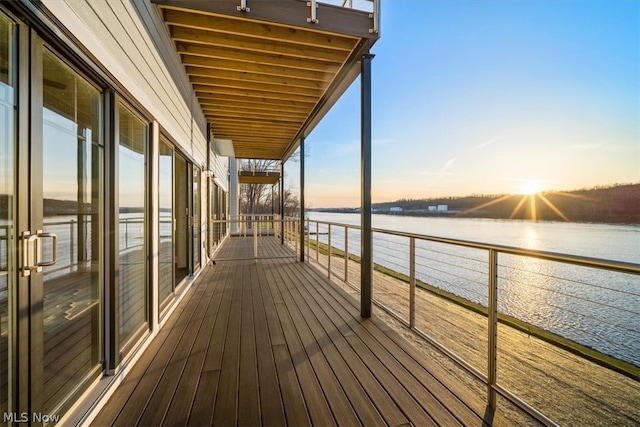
(607, 204)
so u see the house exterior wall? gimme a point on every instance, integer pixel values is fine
(118, 51)
(220, 169)
(129, 39)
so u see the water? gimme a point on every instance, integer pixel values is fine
(597, 308)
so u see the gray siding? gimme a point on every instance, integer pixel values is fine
(220, 167)
(129, 38)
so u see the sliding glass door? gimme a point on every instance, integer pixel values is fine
(7, 204)
(133, 296)
(166, 231)
(70, 174)
(196, 217)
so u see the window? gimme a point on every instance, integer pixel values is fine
(132, 221)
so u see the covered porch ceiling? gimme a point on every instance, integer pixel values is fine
(264, 77)
(258, 177)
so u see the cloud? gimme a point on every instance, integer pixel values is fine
(346, 148)
(444, 170)
(487, 143)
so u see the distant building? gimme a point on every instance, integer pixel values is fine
(395, 209)
(432, 208)
(443, 208)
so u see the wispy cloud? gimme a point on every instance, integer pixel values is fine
(350, 147)
(346, 148)
(487, 143)
(444, 170)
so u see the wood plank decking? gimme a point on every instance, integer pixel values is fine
(274, 342)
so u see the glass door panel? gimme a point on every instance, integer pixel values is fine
(132, 156)
(166, 232)
(197, 226)
(72, 211)
(7, 208)
(182, 218)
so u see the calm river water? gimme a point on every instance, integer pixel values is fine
(597, 308)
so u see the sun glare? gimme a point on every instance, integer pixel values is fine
(532, 186)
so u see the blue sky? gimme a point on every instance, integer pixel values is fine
(486, 96)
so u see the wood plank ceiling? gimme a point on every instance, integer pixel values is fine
(257, 82)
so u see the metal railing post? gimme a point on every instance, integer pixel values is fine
(492, 374)
(314, 11)
(255, 243)
(329, 250)
(126, 233)
(375, 17)
(243, 7)
(72, 243)
(412, 282)
(294, 234)
(317, 240)
(346, 254)
(307, 236)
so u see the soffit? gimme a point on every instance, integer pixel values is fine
(262, 82)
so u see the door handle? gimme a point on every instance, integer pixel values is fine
(54, 254)
(32, 251)
(29, 250)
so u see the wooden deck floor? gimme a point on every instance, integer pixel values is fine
(276, 343)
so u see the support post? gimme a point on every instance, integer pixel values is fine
(412, 282)
(492, 374)
(282, 203)
(234, 195)
(366, 266)
(302, 199)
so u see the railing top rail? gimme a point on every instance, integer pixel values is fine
(245, 220)
(619, 266)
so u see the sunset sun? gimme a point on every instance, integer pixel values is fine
(531, 186)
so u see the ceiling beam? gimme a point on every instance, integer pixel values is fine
(260, 30)
(244, 112)
(206, 96)
(256, 45)
(255, 107)
(241, 66)
(221, 52)
(200, 74)
(242, 115)
(254, 93)
(249, 85)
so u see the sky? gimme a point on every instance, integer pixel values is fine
(487, 97)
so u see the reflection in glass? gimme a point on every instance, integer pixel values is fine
(72, 207)
(182, 219)
(197, 227)
(7, 142)
(132, 224)
(165, 189)
(214, 227)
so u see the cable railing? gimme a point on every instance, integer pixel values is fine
(585, 306)
(5, 233)
(370, 6)
(254, 229)
(75, 242)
